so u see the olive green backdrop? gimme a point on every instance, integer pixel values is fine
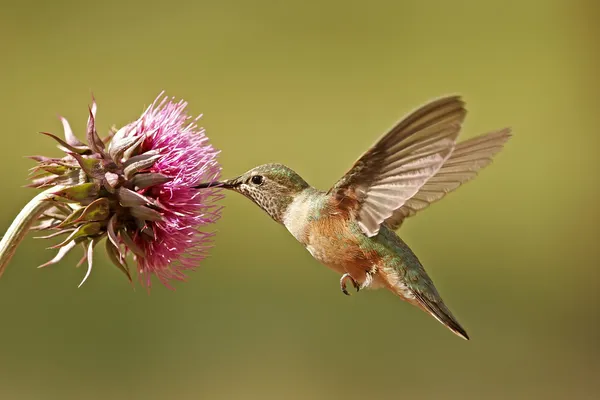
(312, 84)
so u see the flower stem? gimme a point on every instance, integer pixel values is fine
(21, 224)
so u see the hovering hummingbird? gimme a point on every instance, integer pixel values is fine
(351, 227)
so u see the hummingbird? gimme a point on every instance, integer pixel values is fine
(350, 228)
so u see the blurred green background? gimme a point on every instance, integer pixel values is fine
(312, 84)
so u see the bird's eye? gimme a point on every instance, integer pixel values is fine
(257, 179)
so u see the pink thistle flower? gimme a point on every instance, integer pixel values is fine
(178, 244)
(133, 189)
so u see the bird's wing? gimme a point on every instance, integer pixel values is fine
(463, 165)
(400, 163)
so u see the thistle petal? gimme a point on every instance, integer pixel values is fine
(135, 188)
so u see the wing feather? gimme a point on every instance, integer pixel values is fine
(401, 162)
(463, 165)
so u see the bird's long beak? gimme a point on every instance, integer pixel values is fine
(227, 184)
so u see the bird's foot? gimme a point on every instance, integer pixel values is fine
(343, 283)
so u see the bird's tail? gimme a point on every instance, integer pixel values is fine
(439, 311)
(422, 293)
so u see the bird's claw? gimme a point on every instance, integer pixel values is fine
(343, 283)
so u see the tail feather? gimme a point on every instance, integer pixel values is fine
(403, 275)
(426, 297)
(440, 312)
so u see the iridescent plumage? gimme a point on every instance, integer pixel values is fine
(350, 228)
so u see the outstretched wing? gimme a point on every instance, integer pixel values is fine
(400, 163)
(463, 165)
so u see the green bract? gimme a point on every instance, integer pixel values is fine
(98, 193)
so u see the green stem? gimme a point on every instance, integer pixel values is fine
(21, 224)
